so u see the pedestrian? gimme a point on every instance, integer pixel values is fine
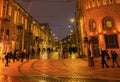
(114, 58)
(33, 51)
(103, 55)
(70, 51)
(22, 55)
(7, 59)
(14, 55)
(27, 55)
(38, 51)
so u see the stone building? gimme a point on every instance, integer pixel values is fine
(99, 25)
(18, 29)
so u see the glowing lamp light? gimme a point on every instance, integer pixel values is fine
(91, 34)
(1, 44)
(100, 32)
(114, 31)
(72, 20)
(104, 32)
(96, 32)
(119, 29)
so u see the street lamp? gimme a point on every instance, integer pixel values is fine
(73, 20)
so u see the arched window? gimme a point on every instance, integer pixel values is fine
(111, 41)
(92, 25)
(108, 23)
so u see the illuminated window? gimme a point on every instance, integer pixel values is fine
(32, 27)
(111, 41)
(92, 26)
(25, 24)
(108, 23)
(104, 2)
(18, 17)
(10, 11)
(22, 20)
(15, 17)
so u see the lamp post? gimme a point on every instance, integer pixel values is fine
(73, 20)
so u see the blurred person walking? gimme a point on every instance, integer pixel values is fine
(103, 56)
(114, 58)
(7, 58)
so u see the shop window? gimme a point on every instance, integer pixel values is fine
(111, 41)
(92, 26)
(108, 23)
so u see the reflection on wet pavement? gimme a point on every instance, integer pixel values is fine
(50, 79)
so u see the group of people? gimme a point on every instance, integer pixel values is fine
(112, 55)
(15, 56)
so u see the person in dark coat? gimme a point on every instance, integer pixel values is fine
(114, 58)
(7, 59)
(103, 56)
(22, 54)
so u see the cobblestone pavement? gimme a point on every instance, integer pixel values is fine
(58, 70)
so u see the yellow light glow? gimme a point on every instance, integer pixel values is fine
(91, 34)
(96, 32)
(114, 31)
(104, 32)
(72, 20)
(119, 29)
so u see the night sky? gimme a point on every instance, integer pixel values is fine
(55, 12)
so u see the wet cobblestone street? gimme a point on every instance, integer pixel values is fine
(58, 70)
(54, 79)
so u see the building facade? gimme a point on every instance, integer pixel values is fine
(98, 22)
(18, 29)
